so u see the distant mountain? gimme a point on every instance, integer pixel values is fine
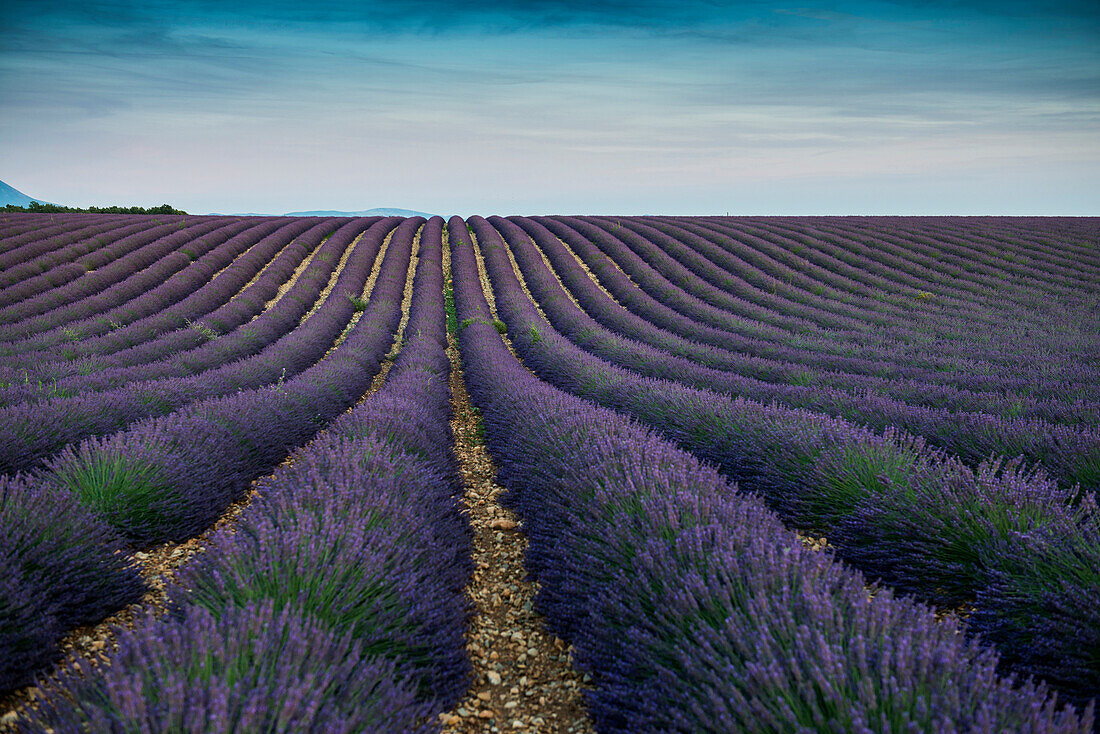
(8, 195)
(367, 213)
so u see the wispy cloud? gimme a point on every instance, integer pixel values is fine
(201, 102)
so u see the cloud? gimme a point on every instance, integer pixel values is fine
(547, 98)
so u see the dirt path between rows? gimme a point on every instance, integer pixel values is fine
(523, 677)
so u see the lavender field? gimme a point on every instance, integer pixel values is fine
(768, 474)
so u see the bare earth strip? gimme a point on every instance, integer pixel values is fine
(590, 274)
(406, 307)
(483, 274)
(333, 278)
(523, 283)
(285, 287)
(523, 677)
(267, 265)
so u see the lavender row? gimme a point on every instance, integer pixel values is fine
(222, 305)
(16, 231)
(41, 429)
(880, 497)
(995, 388)
(111, 289)
(983, 254)
(881, 262)
(1039, 339)
(1025, 341)
(236, 329)
(642, 289)
(273, 257)
(728, 273)
(1071, 237)
(870, 294)
(121, 279)
(369, 514)
(658, 334)
(174, 474)
(911, 261)
(12, 227)
(721, 294)
(941, 295)
(167, 478)
(254, 670)
(360, 540)
(1071, 454)
(38, 237)
(995, 304)
(119, 242)
(864, 339)
(647, 292)
(935, 259)
(901, 246)
(1003, 292)
(689, 603)
(161, 286)
(782, 271)
(26, 229)
(46, 252)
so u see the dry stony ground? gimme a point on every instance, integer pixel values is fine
(523, 677)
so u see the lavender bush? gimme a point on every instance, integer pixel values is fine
(28, 629)
(62, 566)
(252, 669)
(1039, 604)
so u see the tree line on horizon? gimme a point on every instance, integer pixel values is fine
(40, 208)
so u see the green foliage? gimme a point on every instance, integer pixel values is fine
(850, 475)
(495, 323)
(127, 493)
(110, 323)
(277, 386)
(39, 208)
(358, 303)
(449, 301)
(202, 329)
(802, 378)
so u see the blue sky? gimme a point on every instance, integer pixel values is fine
(556, 106)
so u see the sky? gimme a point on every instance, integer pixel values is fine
(555, 106)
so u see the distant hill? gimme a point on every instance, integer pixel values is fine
(366, 213)
(9, 195)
